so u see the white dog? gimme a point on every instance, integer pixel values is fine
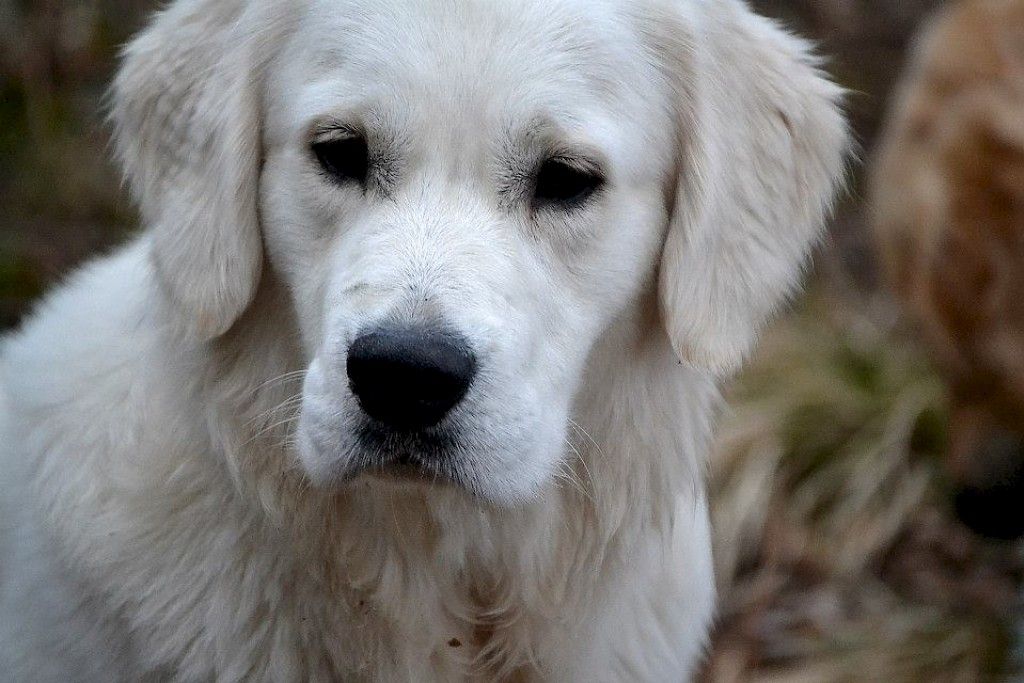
(411, 374)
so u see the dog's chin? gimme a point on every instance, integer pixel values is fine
(403, 460)
(500, 473)
(405, 475)
(402, 471)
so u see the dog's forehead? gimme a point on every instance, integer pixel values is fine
(466, 37)
(448, 56)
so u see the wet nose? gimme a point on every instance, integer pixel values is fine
(410, 378)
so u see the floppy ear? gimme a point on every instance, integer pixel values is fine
(188, 136)
(762, 150)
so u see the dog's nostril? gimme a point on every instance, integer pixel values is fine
(410, 378)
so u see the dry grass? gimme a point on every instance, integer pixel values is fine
(837, 556)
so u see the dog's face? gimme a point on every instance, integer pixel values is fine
(460, 200)
(458, 219)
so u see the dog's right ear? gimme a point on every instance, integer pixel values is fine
(187, 132)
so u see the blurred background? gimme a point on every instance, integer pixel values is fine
(865, 484)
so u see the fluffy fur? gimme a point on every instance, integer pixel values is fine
(181, 492)
(948, 199)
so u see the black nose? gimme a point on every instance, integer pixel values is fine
(410, 378)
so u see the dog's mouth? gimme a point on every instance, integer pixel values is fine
(408, 457)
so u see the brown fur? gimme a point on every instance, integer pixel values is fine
(948, 190)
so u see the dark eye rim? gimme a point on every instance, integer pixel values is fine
(343, 155)
(581, 180)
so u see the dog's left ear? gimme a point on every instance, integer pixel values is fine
(762, 147)
(188, 135)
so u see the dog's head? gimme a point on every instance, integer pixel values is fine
(461, 198)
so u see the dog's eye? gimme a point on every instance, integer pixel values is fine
(562, 182)
(345, 158)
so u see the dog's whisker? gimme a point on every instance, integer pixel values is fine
(271, 427)
(565, 472)
(287, 441)
(287, 403)
(580, 429)
(279, 379)
(583, 463)
(572, 482)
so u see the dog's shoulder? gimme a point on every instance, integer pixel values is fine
(91, 406)
(85, 342)
(80, 380)
(65, 378)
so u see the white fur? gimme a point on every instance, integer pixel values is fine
(179, 492)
